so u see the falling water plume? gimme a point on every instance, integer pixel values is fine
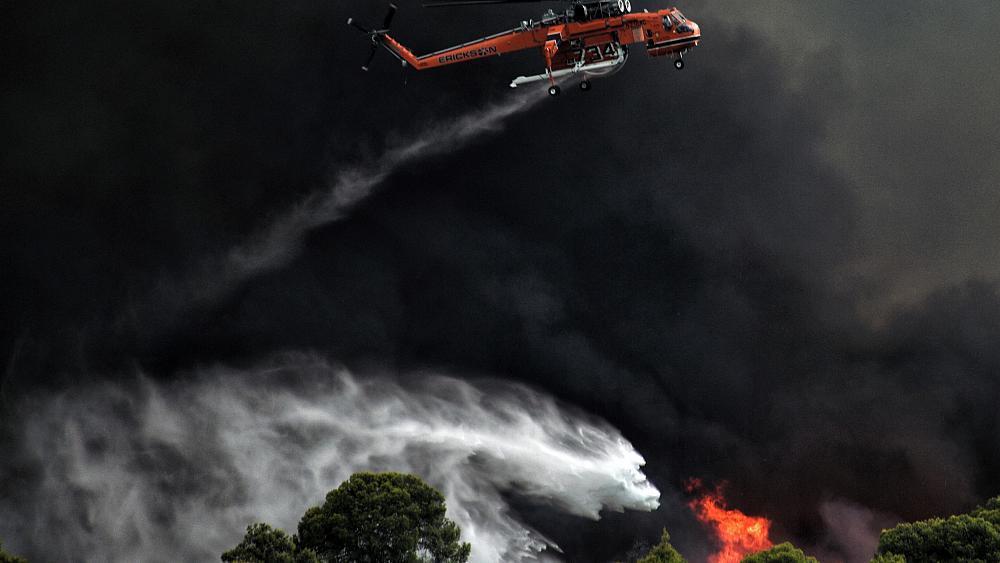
(174, 471)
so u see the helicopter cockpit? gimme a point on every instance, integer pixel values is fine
(676, 22)
(677, 36)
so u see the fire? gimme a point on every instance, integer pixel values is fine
(739, 534)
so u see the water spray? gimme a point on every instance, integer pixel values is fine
(151, 471)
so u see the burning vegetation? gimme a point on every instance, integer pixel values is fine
(738, 534)
(745, 539)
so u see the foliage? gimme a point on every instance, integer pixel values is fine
(383, 518)
(989, 512)
(889, 558)
(992, 504)
(965, 537)
(8, 558)
(662, 552)
(264, 544)
(781, 553)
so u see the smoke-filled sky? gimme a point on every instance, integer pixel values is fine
(777, 267)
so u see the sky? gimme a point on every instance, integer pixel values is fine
(777, 267)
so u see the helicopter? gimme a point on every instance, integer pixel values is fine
(589, 39)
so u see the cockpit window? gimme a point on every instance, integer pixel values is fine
(679, 16)
(668, 22)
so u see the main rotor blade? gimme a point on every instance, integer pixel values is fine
(447, 3)
(388, 16)
(354, 23)
(371, 56)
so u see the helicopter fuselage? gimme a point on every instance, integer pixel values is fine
(592, 47)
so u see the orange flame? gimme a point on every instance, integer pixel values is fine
(739, 534)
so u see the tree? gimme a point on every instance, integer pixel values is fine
(264, 544)
(662, 552)
(8, 558)
(781, 553)
(964, 537)
(989, 512)
(383, 518)
(890, 558)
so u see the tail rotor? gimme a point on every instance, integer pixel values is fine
(376, 35)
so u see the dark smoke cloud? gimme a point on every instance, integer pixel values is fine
(915, 138)
(694, 256)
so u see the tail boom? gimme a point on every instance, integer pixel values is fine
(494, 45)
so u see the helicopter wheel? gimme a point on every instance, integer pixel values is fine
(585, 85)
(554, 90)
(679, 64)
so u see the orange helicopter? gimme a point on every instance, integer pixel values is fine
(590, 39)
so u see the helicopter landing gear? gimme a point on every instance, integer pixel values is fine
(679, 64)
(585, 86)
(554, 90)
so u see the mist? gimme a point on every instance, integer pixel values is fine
(279, 242)
(154, 471)
(280, 239)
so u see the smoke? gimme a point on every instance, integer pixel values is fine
(156, 471)
(852, 531)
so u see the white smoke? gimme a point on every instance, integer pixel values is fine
(174, 471)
